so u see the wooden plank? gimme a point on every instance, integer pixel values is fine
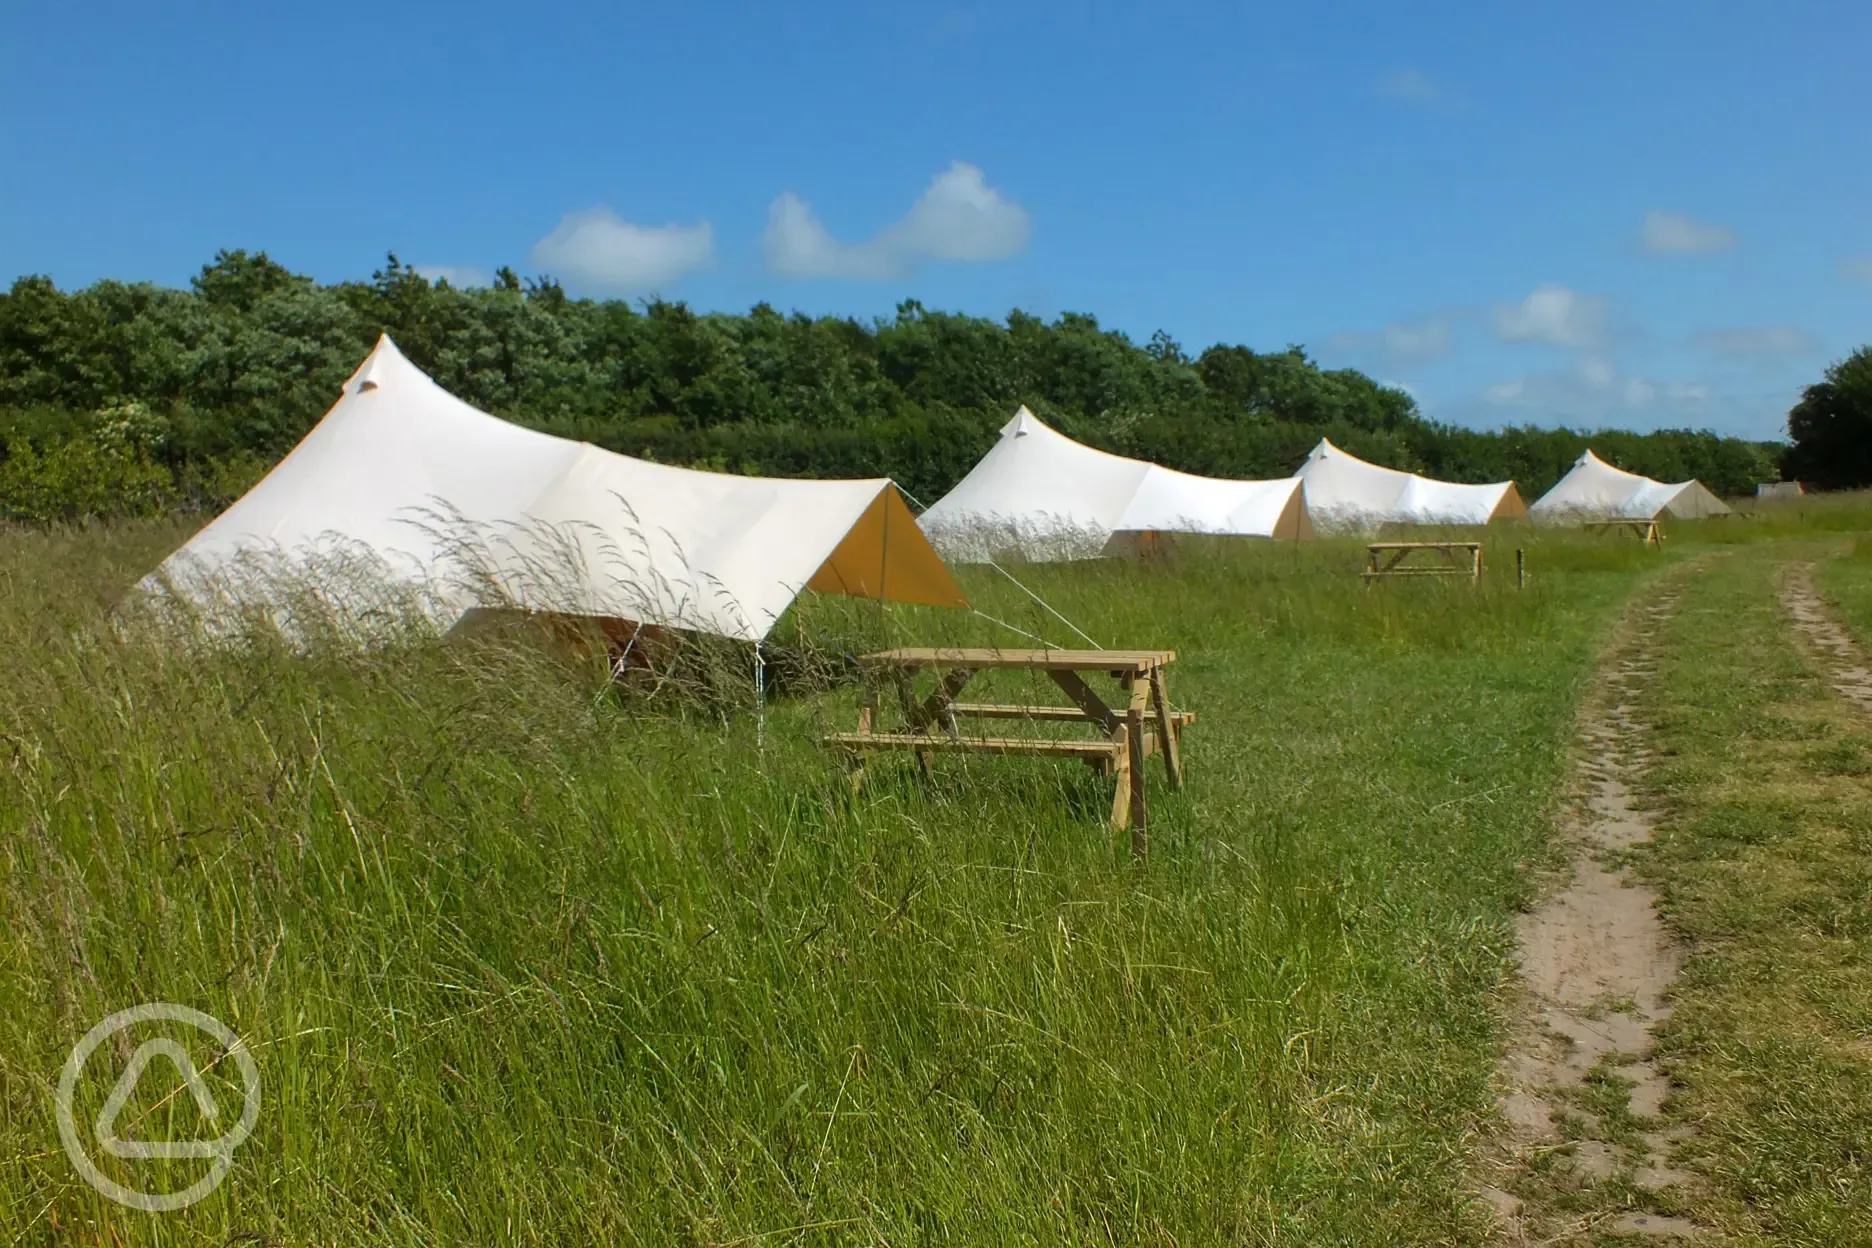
(1168, 727)
(1120, 767)
(1037, 660)
(920, 742)
(906, 700)
(1388, 559)
(1134, 756)
(1045, 714)
(1087, 701)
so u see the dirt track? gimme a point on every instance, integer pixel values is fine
(1596, 969)
(1846, 665)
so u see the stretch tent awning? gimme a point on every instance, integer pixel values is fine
(478, 512)
(1595, 490)
(1345, 492)
(1042, 496)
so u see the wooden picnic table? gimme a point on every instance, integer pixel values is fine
(1142, 725)
(1386, 559)
(1646, 529)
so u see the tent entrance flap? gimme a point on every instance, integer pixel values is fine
(1295, 524)
(885, 555)
(1511, 507)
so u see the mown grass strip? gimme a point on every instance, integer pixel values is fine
(1762, 857)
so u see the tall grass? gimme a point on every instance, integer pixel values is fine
(524, 961)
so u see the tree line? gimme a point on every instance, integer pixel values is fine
(126, 397)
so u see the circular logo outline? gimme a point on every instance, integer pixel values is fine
(221, 1150)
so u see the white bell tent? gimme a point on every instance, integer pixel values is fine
(1595, 490)
(467, 511)
(1040, 496)
(1346, 493)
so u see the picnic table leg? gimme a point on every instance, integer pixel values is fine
(867, 721)
(1134, 753)
(1169, 731)
(1121, 794)
(913, 719)
(937, 707)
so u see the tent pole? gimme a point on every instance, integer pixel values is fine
(884, 557)
(760, 698)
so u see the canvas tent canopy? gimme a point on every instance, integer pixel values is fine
(1041, 496)
(1345, 493)
(479, 512)
(1595, 490)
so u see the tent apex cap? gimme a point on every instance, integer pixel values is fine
(1023, 422)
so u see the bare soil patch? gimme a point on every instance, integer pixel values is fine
(1588, 1147)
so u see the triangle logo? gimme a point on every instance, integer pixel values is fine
(117, 1146)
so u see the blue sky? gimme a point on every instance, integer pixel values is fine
(1653, 214)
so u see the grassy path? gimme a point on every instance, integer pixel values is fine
(1764, 860)
(1587, 1150)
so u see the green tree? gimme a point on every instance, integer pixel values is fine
(1831, 427)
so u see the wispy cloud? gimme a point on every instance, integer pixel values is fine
(1568, 397)
(1401, 342)
(1762, 341)
(595, 252)
(1554, 316)
(1413, 86)
(959, 218)
(1674, 234)
(458, 276)
(1594, 389)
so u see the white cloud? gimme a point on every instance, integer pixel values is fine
(1857, 269)
(1563, 397)
(1597, 372)
(1672, 233)
(458, 276)
(797, 245)
(1417, 340)
(1593, 390)
(959, 218)
(1413, 86)
(1555, 316)
(1401, 342)
(1758, 341)
(594, 251)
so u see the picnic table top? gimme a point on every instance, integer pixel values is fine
(1036, 660)
(1458, 545)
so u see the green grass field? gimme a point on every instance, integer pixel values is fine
(521, 962)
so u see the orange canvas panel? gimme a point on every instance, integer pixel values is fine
(1511, 506)
(885, 555)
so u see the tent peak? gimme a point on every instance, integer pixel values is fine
(1023, 422)
(383, 361)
